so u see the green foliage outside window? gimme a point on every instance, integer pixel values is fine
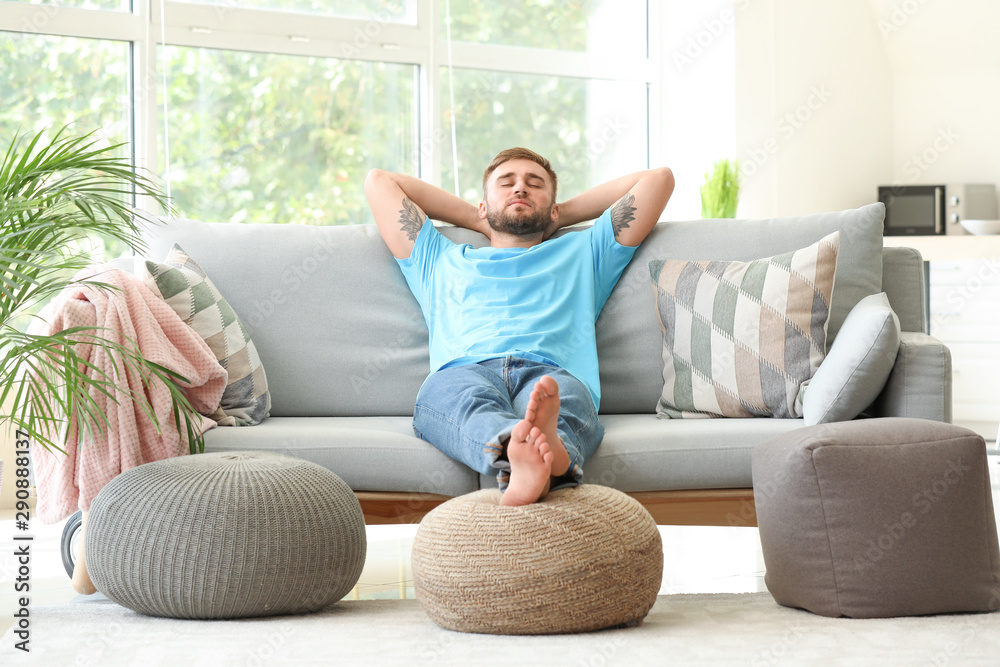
(554, 116)
(269, 138)
(256, 137)
(577, 25)
(50, 82)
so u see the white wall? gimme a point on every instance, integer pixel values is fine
(914, 94)
(945, 58)
(947, 127)
(814, 106)
(696, 51)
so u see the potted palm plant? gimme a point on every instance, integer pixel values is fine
(56, 197)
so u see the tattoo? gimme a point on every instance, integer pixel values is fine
(410, 220)
(622, 213)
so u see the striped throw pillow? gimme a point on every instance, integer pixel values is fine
(742, 339)
(187, 289)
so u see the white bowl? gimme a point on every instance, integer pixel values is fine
(981, 227)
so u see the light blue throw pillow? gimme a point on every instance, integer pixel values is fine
(857, 366)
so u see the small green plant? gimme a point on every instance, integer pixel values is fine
(721, 192)
(56, 196)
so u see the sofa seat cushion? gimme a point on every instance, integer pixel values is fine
(643, 453)
(369, 453)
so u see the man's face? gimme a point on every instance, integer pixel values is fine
(519, 199)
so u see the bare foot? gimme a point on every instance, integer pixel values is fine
(81, 578)
(530, 466)
(543, 413)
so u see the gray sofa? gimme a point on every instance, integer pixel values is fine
(344, 347)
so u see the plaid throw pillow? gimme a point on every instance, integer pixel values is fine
(741, 339)
(187, 289)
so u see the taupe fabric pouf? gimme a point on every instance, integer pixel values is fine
(225, 535)
(878, 517)
(585, 558)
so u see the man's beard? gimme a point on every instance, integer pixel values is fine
(518, 225)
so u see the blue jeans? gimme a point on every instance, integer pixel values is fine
(468, 412)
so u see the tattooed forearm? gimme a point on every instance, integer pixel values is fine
(622, 213)
(410, 219)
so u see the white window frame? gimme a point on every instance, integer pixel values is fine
(286, 33)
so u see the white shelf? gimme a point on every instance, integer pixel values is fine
(949, 248)
(965, 317)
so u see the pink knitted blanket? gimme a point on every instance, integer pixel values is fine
(71, 481)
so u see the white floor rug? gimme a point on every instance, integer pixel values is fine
(680, 630)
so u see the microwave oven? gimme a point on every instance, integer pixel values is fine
(926, 210)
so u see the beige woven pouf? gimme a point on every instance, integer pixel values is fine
(585, 558)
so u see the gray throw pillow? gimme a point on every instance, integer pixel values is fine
(187, 289)
(857, 366)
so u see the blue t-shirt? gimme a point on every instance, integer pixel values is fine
(537, 303)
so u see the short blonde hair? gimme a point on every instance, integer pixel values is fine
(519, 153)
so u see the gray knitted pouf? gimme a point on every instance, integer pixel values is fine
(225, 535)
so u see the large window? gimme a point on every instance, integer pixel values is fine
(269, 138)
(601, 27)
(50, 81)
(274, 110)
(396, 11)
(591, 130)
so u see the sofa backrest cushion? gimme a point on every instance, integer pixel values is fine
(339, 333)
(334, 323)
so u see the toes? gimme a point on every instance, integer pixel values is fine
(547, 385)
(520, 431)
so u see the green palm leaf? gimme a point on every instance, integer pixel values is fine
(56, 197)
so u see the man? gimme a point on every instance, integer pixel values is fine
(514, 386)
